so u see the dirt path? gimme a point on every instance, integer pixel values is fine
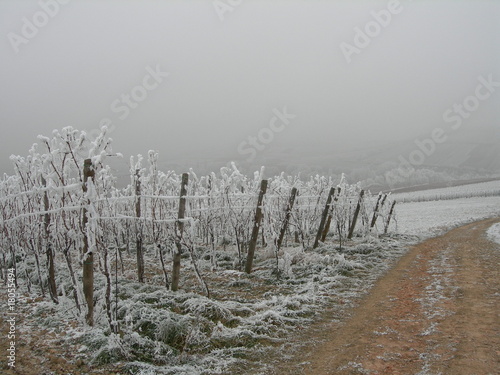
(435, 312)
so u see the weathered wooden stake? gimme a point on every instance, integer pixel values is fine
(176, 264)
(389, 217)
(288, 213)
(327, 228)
(256, 227)
(383, 201)
(49, 251)
(323, 217)
(330, 216)
(296, 234)
(138, 239)
(356, 213)
(88, 258)
(375, 211)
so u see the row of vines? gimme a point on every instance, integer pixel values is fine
(62, 207)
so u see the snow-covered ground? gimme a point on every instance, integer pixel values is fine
(481, 189)
(494, 233)
(311, 281)
(426, 219)
(251, 317)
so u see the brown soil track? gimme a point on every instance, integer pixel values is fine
(435, 312)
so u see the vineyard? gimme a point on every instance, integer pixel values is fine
(71, 234)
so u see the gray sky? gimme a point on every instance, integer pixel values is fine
(226, 76)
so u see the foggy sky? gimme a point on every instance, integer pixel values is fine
(225, 77)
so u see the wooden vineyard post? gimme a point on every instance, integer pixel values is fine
(288, 213)
(375, 211)
(356, 213)
(330, 217)
(323, 217)
(88, 256)
(296, 234)
(389, 217)
(138, 240)
(256, 227)
(327, 228)
(176, 264)
(49, 251)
